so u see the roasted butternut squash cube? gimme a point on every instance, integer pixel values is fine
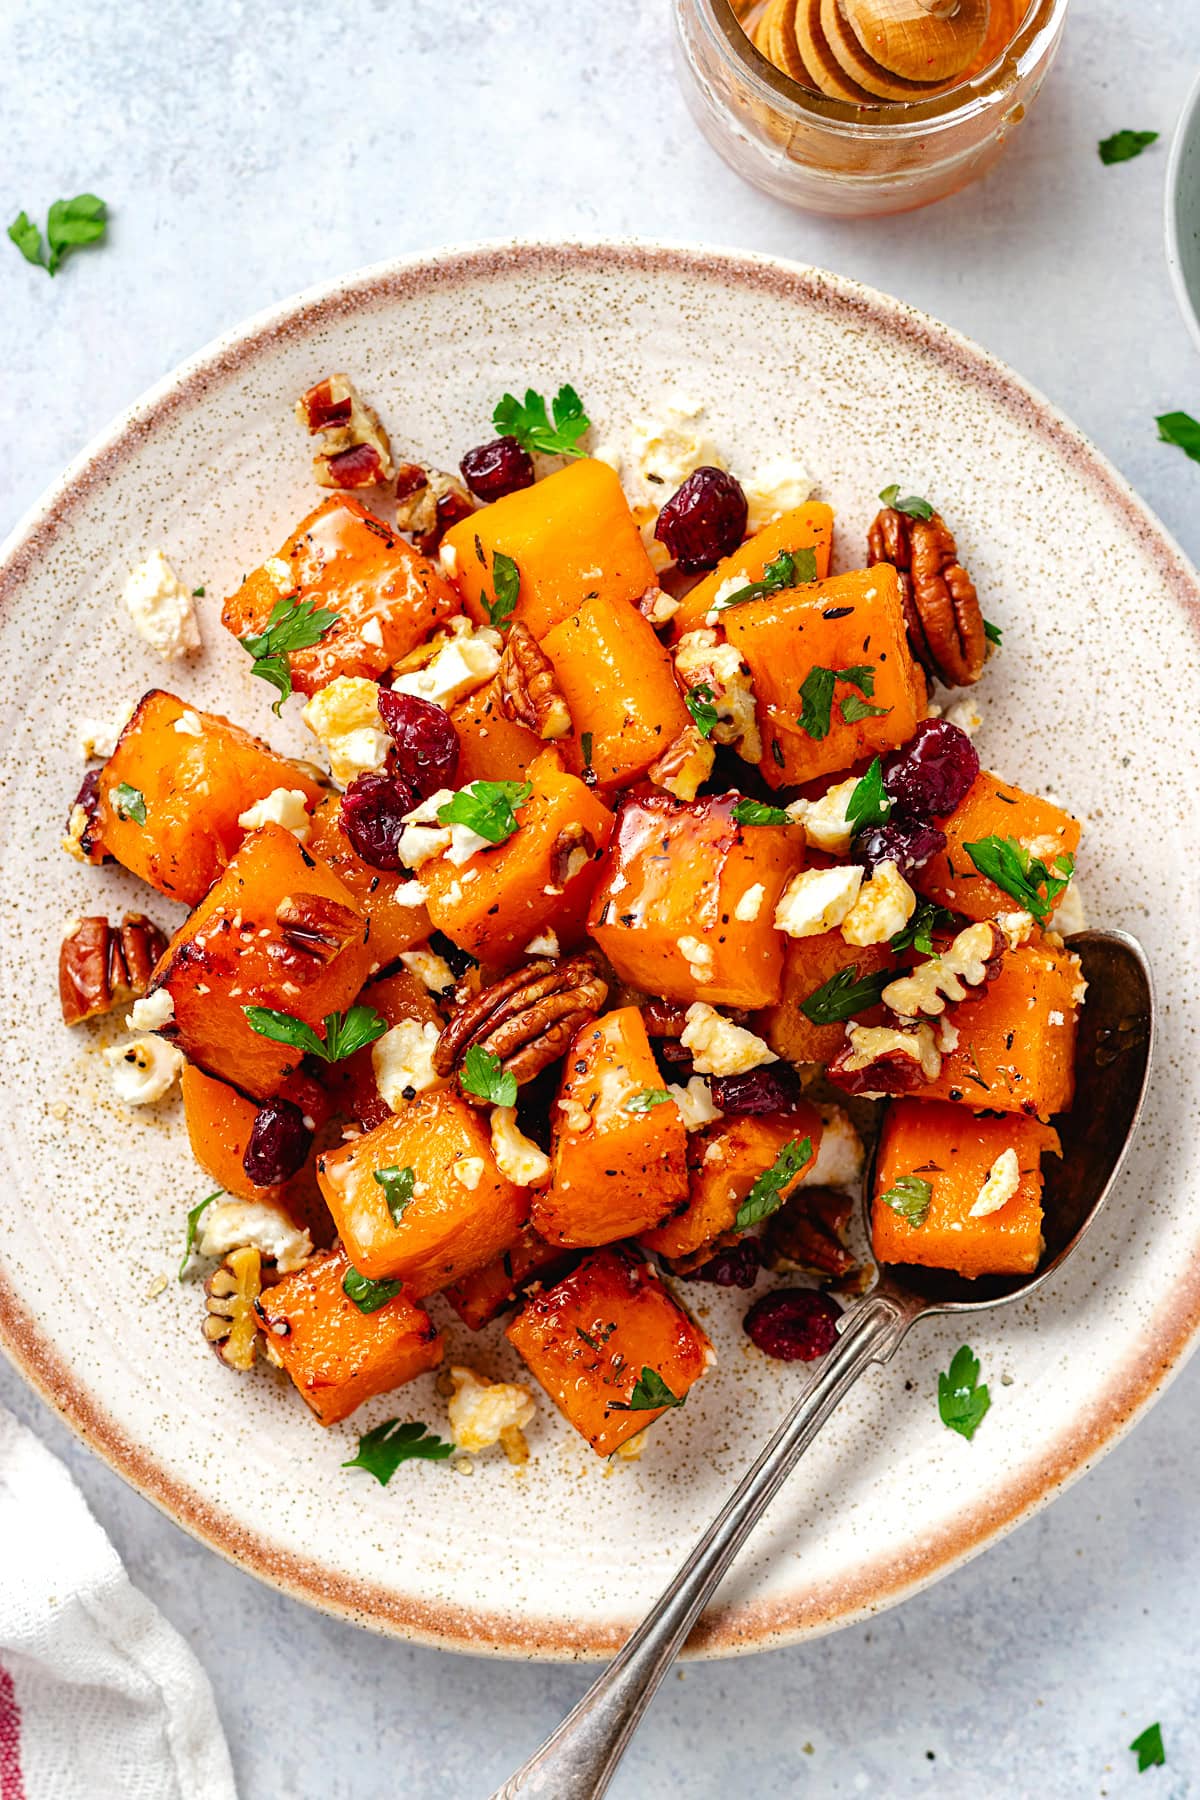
(352, 1082)
(589, 1339)
(194, 774)
(807, 527)
(994, 808)
(542, 877)
(619, 1155)
(957, 1154)
(461, 1211)
(336, 1355)
(380, 893)
(572, 537)
(233, 952)
(219, 1121)
(1014, 1047)
(618, 683)
(727, 1159)
(483, 1296)
(492, 747)
(386, 596)
(808, 964)
(685, 904)
(790, 641)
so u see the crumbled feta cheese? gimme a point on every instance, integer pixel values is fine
(718, 1046)
(282, 806)
(98, 737)
(695, 1102)
(463, 664)
(517, 1156)
(1046, 847)
(544, 944)
(410, 893)
(884, 906)
(469, 1171)
(963, 713)
(1070, 915)
(372, 632)
(1015, 928)
(344, 717)
(188, 724)
(699, 958)
(732, 584)
(152, 1011)
(1004, 1178)
(448, 557)
(701, 661)
(465, 843)
(775, 487)
(423, 838)
(664, 449)
(403, 1061)
(1055, 1018)
(144, 1069)
(750, 904)
(948, 1035)
(429, 968)
(279, 572)
(841, 1155)
(826, 826)
(817, 900)
(161, 608)
(481, 1412)
(255, 1224)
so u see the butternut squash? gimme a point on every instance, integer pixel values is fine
(352, 1083)
(807, 527)
(219, 1121)
(492, 747)
(808, 964)
(994, 808)
(617, 680)
(393, 926)
(483, 1296)
(727, 1159)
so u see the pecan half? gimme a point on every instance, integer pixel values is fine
(528, 686)
(103, 966)
(528, 1019)
(356, 451)
(685, 765)
(428, 503)
(230, 1322)
(808, 1232)
(656, 606)
(572, 850)
(969, 962)
(884, 1059)
(317, 925)
(941, 608)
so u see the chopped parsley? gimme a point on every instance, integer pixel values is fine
(69, 225)
(1011, 866)
(912, 504)
(769, 1190)
(1147, 1746)
(130, 803)
(869, 804)
(844, 995)
(529, 422)
(344, 1032)
(650, 1391)
(853, 708)
(1123, 146)
(585, 748)
(193, 1220)
(488, 808)
(397, 1185)
(294, 624)
(483, 1076)
(698, 701)
(918, 933)
(506, 580)
(791, 568)
(816, 693)
(910, 1196)
(1180, 429)
(381, 1451)
(756, 812)
(640, 1103)
(366, 1294)
(962, 1398)
(993, 633)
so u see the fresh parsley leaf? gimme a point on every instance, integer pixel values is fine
(344, 1032)
(1123, 146)
(962, 1399)
(816, 693)
(294, 624)
(506, 579)
(912, 504)
(71, 223)
(1148, 1748)
(483, 1077)
(698, 701)
(488, 808)
(397, 1185)
(791, 568)
(844, 995)
(198, 593)
(868, 804)
(130, 803)
(918, 933)
(853, 709)
(193, 1221)
(640, 1103)
(528, 421)
(1180, 429)
(1009, 864)
(768, 1193)
(366, 1294)
(381, 1451)
(650, 1392)
(585, 748)
(910, 1196)
(28, 239)
(755, 812)
(993, 633)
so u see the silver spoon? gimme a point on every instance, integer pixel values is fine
(1116, 1037)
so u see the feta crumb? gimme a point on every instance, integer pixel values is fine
(465, 843)
(469, 1171)
(152, 1011)
(544, 944)
(1015, 928)
(410, 893)
(948, 1035)
(776, 486)
(144, 1069)
(282, 806)
(161, 608)
(884, 906)
(429, 968)
(695, 1102)
(632, 1448)
(1070, 915)
(964, 714)
(718, 1046)
(98, 737)
(841, 1155)
(1002, 1183)
(701, 661)
(750, 904)
(448, 557)
(188, 724)
(344, 717)
(481, 1412)
(372, 632)
(817, 900)
(1056, 1018)
(699, 958)
(826, 826)
(665, 448)
(423, 838)
(1046, 847)
(403, 1060)
(517, 1156)
(255, 1224)
(463, 664)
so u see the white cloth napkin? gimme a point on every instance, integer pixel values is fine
(100, 1699)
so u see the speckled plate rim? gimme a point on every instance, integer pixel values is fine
(883, 1582)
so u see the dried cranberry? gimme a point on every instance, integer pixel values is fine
(793, 1324)
(495, 469)
(906, 842)
(279, 1144)
(932, 773)
(373, 809)
(775, 1088)
(736, 1266)
(703, 520)
(426, 752)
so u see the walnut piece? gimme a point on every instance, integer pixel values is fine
(230, 1322)
(103, 966)
(941, 608)
(883, 1059)
(527, 1019)
(356, 452)
(685, 765)
(528, 686)
(316, 925)
(964, 969)
(808, 1232)
(428, 503)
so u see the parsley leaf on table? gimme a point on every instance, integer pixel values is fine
(294, 624)
(381, 1451)
(529, 423)
(193, 1221)
(962, 1399)
(1180, 429)
(1123, 146)
(1148, 1748)
(69, 225)
(769, 1190)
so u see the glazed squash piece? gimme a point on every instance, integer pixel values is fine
(807, 527)
(394, 925)
(994, 808)
(457, 1213)
(194, 774)
(483, 1296)
(336, 1355)
(619, 1155)
(685, 904)
(808, 965)
(727, 1159)
(249, 943)
(572, 537)
(853, 623)
(345, 560)
(492, 747)
(352, 1083)
(588, 1339)
(219, 1121)
(956, 1153)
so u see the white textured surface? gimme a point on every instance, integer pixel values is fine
(249, 151)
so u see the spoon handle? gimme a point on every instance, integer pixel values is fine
(578, 1761)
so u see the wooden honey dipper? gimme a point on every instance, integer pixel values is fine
(870, 50)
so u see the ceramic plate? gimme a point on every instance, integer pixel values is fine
(1100, 614)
